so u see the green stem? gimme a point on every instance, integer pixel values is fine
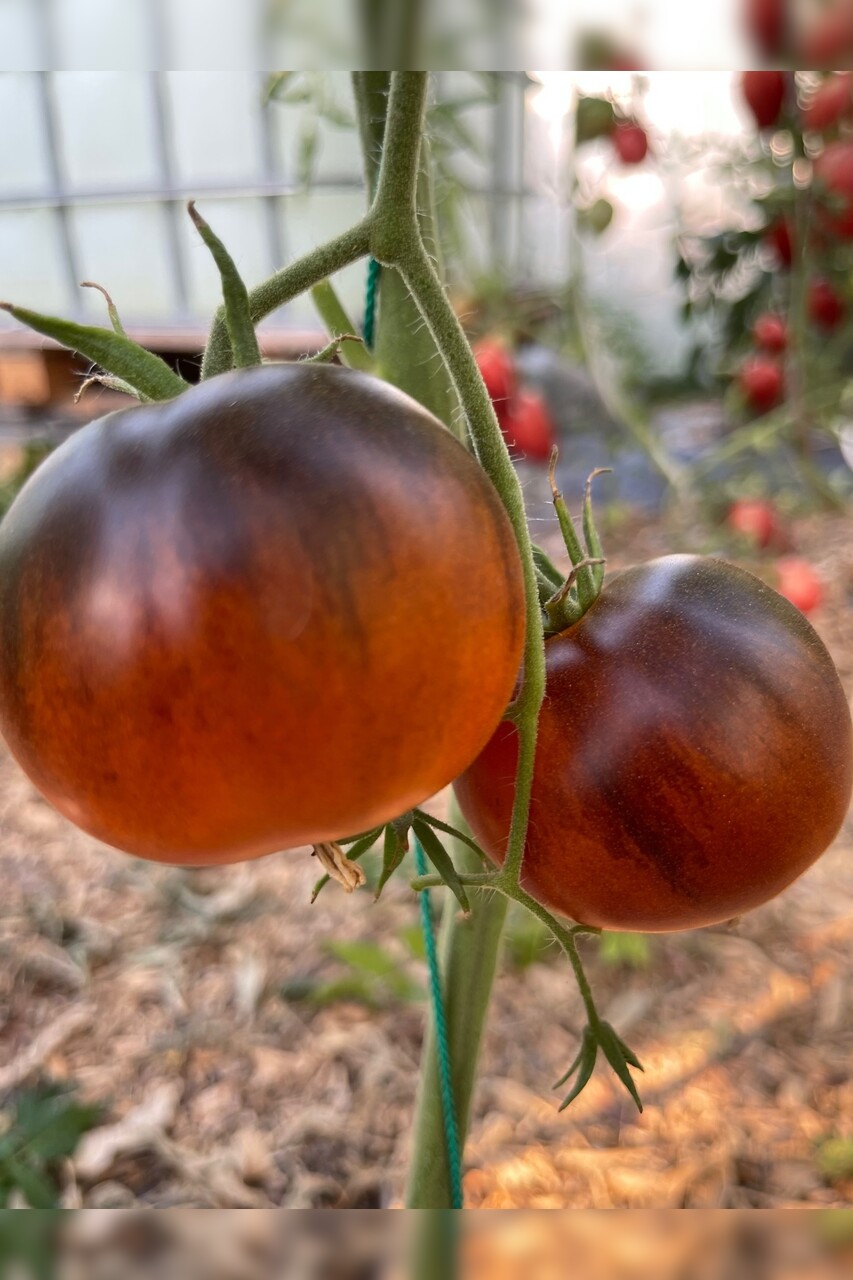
(339, 325)
(468, 950)
(286, 285)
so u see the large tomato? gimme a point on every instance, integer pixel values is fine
(695, 753)
(284, 607)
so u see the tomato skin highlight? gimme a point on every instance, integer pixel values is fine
(695, 753)
(242, 620)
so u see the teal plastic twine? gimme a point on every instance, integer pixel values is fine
(373, 270)
(448, 1106)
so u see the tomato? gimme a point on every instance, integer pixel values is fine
(631, 142)
(762, 383)
(778, 238)
(770, 332)
(833, 173)
(764, 94)
(755, 520)
(828, 37)
(695, 753)
(825, 307)
(766, 23)
(830, 103)
(284, 607)
(529, 428)
(798, 582)
(497, 369)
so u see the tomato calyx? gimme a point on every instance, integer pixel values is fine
(580, 589)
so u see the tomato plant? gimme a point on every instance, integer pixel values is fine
(694, 753)
(203, 609)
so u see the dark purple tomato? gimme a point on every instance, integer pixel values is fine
(694, 753)
(282, 608)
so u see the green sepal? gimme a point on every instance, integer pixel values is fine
(584, 1064)
(238, 320)
(339, 325)
(452, 831)
(112, 309)
(440, 859)
(394, 852)
(146, 373)
(620, 1056)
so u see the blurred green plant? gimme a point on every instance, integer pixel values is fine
(33, 456)
(372, 975)
(41, 1127)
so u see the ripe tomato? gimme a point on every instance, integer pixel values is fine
(497, 368)
(798, 582)
(764, 94)
(778, 238)
(828, 37)
(762, 383)
(831, 102)
(770, 332)
(755, 520)
(695, 753)
(529, 428)
(833, 173)
(766, 23)
(241, 621)
(825, 307)
(631, 142)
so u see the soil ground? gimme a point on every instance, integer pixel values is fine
(244, 1057)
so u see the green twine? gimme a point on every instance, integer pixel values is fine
(448, 1106)
(373, 270)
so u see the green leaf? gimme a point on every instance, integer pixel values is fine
(393, 854)
(367, 956)
(440, 859)
(238, 319)
(594, 118)
(38, 1191)
(452, 831)
(145, 372)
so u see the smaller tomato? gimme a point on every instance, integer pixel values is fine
(831, 102)
(497, 368)
(631, 142)
(762, 383)
(778, 238)
(755, 520)
(828, 38)
(529, 428)
(833, 173)
(770, 332)
(764, 94)
(825, 307)
(798, 582)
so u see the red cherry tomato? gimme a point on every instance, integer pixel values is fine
(828, 39)
(798, 582)
(833, 172)
(766, 22)
(497, 368)
(695, 753)
(762, 383)
(778, 238)
(770, 332)
(529, 428)
(825, 307)
(831, 102)
(241, 620)
(764, 94)
(755, 520)
(631, 142)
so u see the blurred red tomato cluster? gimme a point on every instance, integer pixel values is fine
(524, 417)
